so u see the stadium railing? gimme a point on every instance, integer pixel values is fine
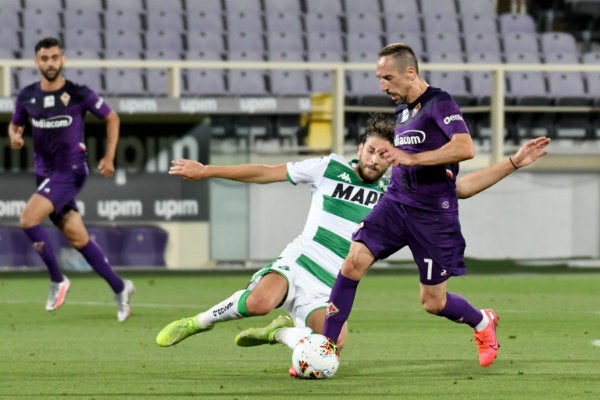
(586, 158)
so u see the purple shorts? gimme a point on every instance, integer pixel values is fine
(61, 190)
(435, 239)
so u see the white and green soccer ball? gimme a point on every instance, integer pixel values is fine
(315, 357)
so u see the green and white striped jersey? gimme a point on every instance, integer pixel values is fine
(340, 200)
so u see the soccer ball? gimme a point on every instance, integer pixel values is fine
(315, 357)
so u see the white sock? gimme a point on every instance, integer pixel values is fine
(291, 336)
(226, 310)
(484, 322)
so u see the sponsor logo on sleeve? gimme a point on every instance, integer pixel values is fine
(452, 118)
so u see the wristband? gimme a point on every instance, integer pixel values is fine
(513, 164)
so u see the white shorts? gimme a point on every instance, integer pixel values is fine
(305, 294)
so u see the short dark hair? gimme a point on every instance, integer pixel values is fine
(403, 53)
(46, 43)
(379, 125)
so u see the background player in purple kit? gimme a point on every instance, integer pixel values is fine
(420, 208)
(56, 108)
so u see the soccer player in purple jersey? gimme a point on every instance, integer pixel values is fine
(420, 208)
(56, 108)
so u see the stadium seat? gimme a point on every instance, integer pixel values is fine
(200, 82)
(323, 23)
(469, 8)
(529, 88)
(206, 15)
(288, 22)
(81, 38)
(592, 79)
(123, 40)
(322, 80)
(476, 43)
(516, 23)
(288, 83)
(558, 42)
(363, 22)
(144, 246)
(282, 7)
(153, 6)
(249, 40)
(401, 22)
(324, 42)
(157, 79)
(439, 42)
(206, 41)
(480, 82)
(25, 76)
(124, 82)
(473, 24)
(520, 43)
(362, 84)
(11, 43)
(446, 7)
(82, 17)
(159, 39)
(413, 39)
(283, 15)
(284, 41)
(91, 77)
(453, 82)
(164, 19)
(247, 82)
(203, 55)
(124, 19)
(362, 46)
(440, 23)
(409, 7)
(330, 7)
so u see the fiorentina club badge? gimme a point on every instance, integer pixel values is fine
(65, 98)
(331, 310)
(416, 110)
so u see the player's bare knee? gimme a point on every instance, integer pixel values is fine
(433, 307)
(78, 243)
(258, 305)
(25, 222)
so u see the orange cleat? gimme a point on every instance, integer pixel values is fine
(487, 343)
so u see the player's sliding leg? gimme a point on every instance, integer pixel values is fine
(265, 294)
(278, 331)
(233, 307)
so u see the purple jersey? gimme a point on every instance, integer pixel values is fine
(427, 124)
(57, 120)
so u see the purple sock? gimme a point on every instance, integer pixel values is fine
(458, 309)
(95, 257)
(339, 306)
(41, 243)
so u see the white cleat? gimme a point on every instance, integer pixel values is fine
(122, 300)
(58, 292)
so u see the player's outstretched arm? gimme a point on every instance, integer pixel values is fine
(475, 182)
(251, 173)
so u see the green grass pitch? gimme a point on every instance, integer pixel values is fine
(548, 323)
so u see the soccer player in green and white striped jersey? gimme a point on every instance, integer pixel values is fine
(300, 279)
